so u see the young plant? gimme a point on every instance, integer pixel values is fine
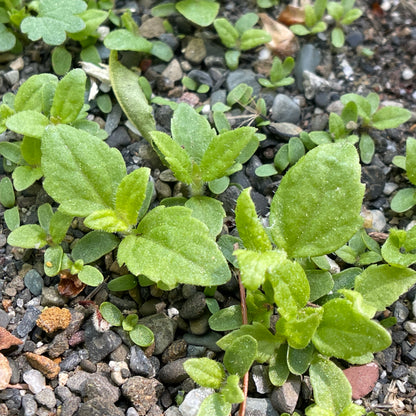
(240, 37)
(343, 13)
(12, 12)
(41, 101)
(314, 325)
(265, 4)
(406, 198)
(88, 179)
(313, 20)
(200, 12)
(129, 39)
(196, 154)
(192, 85)
(279, 73)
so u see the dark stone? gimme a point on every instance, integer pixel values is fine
(70, 362)
(139, 364)
(98, 386)
(307, 59)
(400, 371)
(375, 179)
(200, 77)
(173, 372)
(99, 406)
(119, 138)
(28, 321)
(354, 38)
(194, 306)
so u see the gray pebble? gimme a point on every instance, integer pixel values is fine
(62, 393)
(200, 77)
(173, 411)
(219, 96)
(307, 59)
(70, 406)
(98, 386)
(51, 297)
(195, 51)
(412, 375)
(193, 400)
(284, 109)
(35, 380)
(194, 306)
(400, 312)
(4, 318)
(12, 77)
(354, 38)
(29, 405)
(259, 407)
(34, 282)
(28, 321)
(139, 363)
(209, 340)
(173, 372)
(99, 407)
(3, 240)
(46, 397)
(243, 76)
(285, 398)
(410, 327)
(163, 328)
(70, 362)
(119, 138)
(259, 374)
(76, 383)
(113, 119)
(200, 325)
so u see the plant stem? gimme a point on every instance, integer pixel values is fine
(242, 411)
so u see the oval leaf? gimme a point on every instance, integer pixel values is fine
(111, 313)
(126, 282)
(142, 336)
(240, 355)
(206, 372)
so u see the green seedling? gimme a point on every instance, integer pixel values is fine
(265, 4)
(399, 248)
(41, 101)
(320, 315)
(129, 39)
(343, 13)
(200, 12)
(313, 20)
(279, 73)
(240, 37)
(196, 154)
(192, 85)
(12, 12)
(140, 334)
(406, 198)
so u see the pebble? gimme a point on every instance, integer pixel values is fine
(375, 178)
(410, 327)
(259, 407)
(194, 306)
(97, 386)
(354, 38)
(407, 74)
(200, 325)
(173, 372)
(193, 400)
(174, 411)
(12, 77)
(259, 374)
(400, 312)
(152, 28)
(70, 406)
(140, 364)
(142, 392)
(45, 365)
(99, 407)
(243, 76)
(201, 77)
(163, 328)
(29, 405)
(209, 340)
(46, 397)
(308, 59)
(285, 398)
(173, 71)
(113, 119)
(51, 297)
(35, 380)
(195, 51)
(76, 382)
(70, 362)
(58, 345)
(176, 350)
(285, 110)
(362, 378)
(34, 282)
(99, 345)
(28, 321)
(54, 318)
(219, 96)
(119, 138)
(346, 68)
(119, 372)
(400, 371)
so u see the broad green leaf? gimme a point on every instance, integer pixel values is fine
(12, 218)
(251, 231)
(30, 149)
(69, 97)
(254, 265)
(209, 211)
(7, 39)
(61, 60)
(171, 239)
(162, 51)
(90, 54)
(163, 10)
(142, 335)
(240, 355)
(332, 390)
(36, 93)
(232, 58)
(45, 213)
(266, 170)
(93, 19)
(214, 405)
(241, 94)
(319, 27)
(394, 251)
(206, 372)
(55, 17)
(90, 276)
(298, 360)
(300, 30)
(345, 333)
(320, 283)
(336, 126)
(335, 9)
(315, 410)
(191, 131)
(319, 8)
(245, 22)
(278, 368)
(111, 313)
(131, 98)
(317, 204)
(177, 158)
(124, 40)
(24, 176)
(349, 113)
(29, 122)
(7, 198)
(363, 106)
(403, 200)
(226, 243)
(337, 37)
(222, 152)
(290, 285)
(104, 103)
(131, 194)
(353, 410)
(201, 12)
(295, 150)
(53, 260)
(94, 245)
(81, 172)
(382, 285)
(231, 391)
(410, 161)
(300, 329)
(259, 307)
(28, 236)
(254, 37)
(122, 283)
(367, 148)
(58, 226)
(351, 16)
(356, 298)
(218, 186)
(227, 32)
(266, 341)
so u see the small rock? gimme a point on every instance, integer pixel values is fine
(209, 340)
(259, 407)
(313, 84)
(400, 312)
(307, 59)
(139, 363)
(362, 378)
(285, 398)
(142, 392)
(200, 77)
(28, 321)
(200, 325)
(175, 351)
(173, 71)
(70, 406)
(174, 411)
(76, 382)
(54, 318)
(375, 178)
(99, 407)
(346, 68)
(35, 380)
(194, 306)
(407, 74)
(389, 188)
(18, 64)
(119, 138)
(173, 372)
(51, 297)
(195, 52)
(46, 397)
(119, 372)
(46, 366)
(99, 345)
(4, 318)
(410, 327)
(400, 371)
(243, 76)
(58, 345)
(285, 130)
(193, 400)
(12, 77)
(34, 282)
(7, 339)
(163, 190)
(29, 405)
(354, 38)
(98, 386)
(284, 109)
(70, 362)
(113, 119)
(259, 374)
(152, 28)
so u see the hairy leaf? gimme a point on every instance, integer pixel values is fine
(29, 122)
(206, 372)
(240, 355)
(214, 405)
(28, 236)
(142, 335)
(201, 12)
(111, 313)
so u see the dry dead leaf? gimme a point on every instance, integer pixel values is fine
(284, 42)
(5, 372)
(69, 284)
(7, 339)
(292, 15)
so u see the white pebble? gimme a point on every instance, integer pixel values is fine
(35, 380)
(414, 307)
(389, 188)
(410, 327)
(407, 74)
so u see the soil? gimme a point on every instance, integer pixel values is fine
(150, 383)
